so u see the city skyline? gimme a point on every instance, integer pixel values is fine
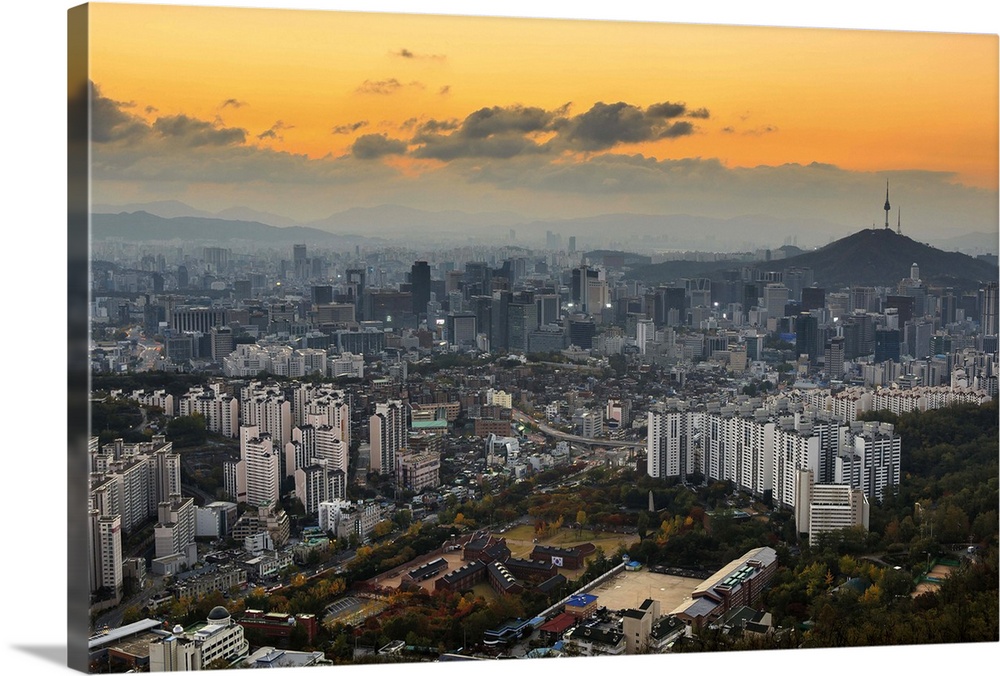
(542, 118)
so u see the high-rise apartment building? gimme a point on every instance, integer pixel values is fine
(387, 436)
(668, 450)
(265, 407)
(258, 472)
(105, 552)
(220, 410)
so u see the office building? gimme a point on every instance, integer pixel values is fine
(420, 286)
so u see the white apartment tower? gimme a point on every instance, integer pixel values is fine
(331, 447)
(322, 405)
(387, 435)
(668, 445)
(175, 531)
(220, 410)
(266, 407)
(877, 452)
(822, 508)
(259, 468)
(105, 552)
(300, 451)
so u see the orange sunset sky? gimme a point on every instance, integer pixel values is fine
(305, 113)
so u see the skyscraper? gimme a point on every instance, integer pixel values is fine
(989, 309)
(420, 281)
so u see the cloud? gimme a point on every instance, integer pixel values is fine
(349, 128)
(382, 87)
(508, 131)
(374, 146)
(607, 125)
(272, 133)
(433, 126)
(496, 132)
(755, 131)
(234, 103)
(192, 132)
(677, 129)
(386, 87)
(699, 113)
(110, 123)
(405, 53)
(666, 109)
(760, 131)
(444, 90)
(496, 120)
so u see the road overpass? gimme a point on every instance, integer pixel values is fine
(520, 417)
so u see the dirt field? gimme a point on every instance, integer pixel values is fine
(520, 540)
(940, 571)
(629, 590)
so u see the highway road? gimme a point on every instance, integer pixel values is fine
(520, 417)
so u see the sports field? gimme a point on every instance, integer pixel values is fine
(629, 590)
(353, 610)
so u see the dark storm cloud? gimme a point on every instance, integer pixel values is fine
(701, 113)
(374, 146)
(234, 103)
(110, 123)
(349, 128)
(666, 109)
(193, 133)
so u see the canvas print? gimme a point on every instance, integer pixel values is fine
(422, 338)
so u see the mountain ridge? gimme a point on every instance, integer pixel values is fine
(868, 257)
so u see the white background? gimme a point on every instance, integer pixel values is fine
(34, 347)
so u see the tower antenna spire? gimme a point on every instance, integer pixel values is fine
(887, 204)
(899, 228)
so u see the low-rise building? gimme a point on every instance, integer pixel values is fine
(208, 579)
(217, 641)
(583, 640)
(741, 582)
(279, 625)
